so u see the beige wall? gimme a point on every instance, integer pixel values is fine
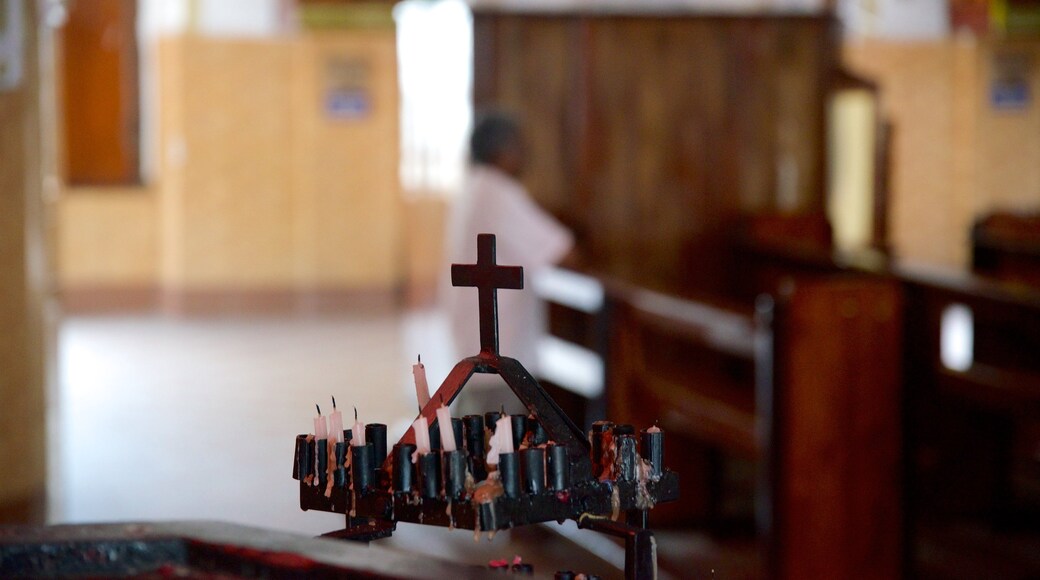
(107, 237)
(225, 170)
(1009, 141)
(348, 220)
(22, 292)
(954, 156)
(258, 188)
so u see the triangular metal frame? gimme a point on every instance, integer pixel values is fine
(556, 423)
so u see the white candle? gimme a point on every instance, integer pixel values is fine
(447, 433)
(422, 388)
(422, 435)
(320, 428)
(504, 433)
(492, 455)
(501, 441)
(358, 432)
(335, 425)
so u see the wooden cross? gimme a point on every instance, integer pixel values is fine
(487, 277)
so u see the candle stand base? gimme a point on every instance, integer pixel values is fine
(364, 530)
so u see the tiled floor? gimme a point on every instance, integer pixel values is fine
(173, 419)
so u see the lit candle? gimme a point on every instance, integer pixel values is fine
(335, 424)
(447, 433)
(422, 436)
(422, 388)
(358, 438)
(320, 427)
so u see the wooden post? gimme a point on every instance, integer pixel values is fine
(22, 274)
(835, 444)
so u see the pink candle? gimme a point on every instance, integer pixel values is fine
(358, 432)
(335, 425)
(320, 428)
(422, 436)
(447, 433)
(422, 388)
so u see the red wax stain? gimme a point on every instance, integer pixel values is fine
(280, 559)
(563, 496)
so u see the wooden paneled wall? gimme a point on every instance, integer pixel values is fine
(651, 136)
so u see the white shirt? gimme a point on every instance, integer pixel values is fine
(492, 202)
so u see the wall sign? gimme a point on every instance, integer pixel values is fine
(1010, 80)
(11, 46)
(347, 88)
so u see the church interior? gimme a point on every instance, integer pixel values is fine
(806, 247)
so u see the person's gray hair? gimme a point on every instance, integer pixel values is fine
(493, 133)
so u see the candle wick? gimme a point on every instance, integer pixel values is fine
(318, 408)
(333, 402)
(355, 413)
(420, 359)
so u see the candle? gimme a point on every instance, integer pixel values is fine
(501, 441)
(321, 448)
(335, 424)
(447, 433)
(422, 436)
(492, 454)
(504, 432)
(422, 388)
(320, 428)
(358, 431)
(652, 450)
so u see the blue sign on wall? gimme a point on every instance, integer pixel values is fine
(1009, 95)
(347, 104)
(348, 93)
(1009, 85)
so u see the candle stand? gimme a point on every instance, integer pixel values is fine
(556, 473)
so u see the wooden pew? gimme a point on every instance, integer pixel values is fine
(804, 387)
(973, 428)
(1007, 246)
(689, 367)
(972, 434)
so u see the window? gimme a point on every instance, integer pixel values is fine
(434, 46)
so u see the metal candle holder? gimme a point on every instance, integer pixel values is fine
(592, 479)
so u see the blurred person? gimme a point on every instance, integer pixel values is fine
(494, 201)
